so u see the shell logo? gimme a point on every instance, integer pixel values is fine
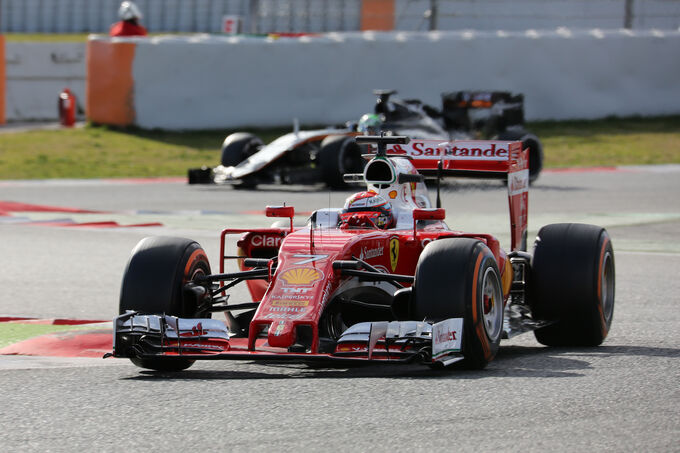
(301, 276)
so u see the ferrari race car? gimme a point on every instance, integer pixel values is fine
(383, 279)
(325, 155)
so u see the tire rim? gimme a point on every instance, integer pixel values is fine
(196, 272)
(607, 285)
(492, 304)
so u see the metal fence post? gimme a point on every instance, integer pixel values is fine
(628, 15)
(253, 15)
(434, 13)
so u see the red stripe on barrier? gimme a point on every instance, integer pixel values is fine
(53, 321)
(103, 224)
(109, 224)
(11, 206)
(12, 319)
(64, 344)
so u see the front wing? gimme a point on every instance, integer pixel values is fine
(143, 336)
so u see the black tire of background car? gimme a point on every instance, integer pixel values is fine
(153, 283)
(449, 273)
(238, 147)
(201, 175)
(572, 283)
(535, 149)
(339, 155)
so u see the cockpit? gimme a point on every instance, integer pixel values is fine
(394, 188)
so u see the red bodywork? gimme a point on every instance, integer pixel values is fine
(304, 280)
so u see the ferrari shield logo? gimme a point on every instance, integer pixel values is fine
(394, 253)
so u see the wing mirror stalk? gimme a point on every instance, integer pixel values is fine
(427, 214)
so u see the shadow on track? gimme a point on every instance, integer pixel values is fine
(512, 361)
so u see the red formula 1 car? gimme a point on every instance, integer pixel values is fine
(383, 279)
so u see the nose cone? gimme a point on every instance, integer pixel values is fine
(281, 334)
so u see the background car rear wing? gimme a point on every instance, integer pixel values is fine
(504, 110)
(493, 159)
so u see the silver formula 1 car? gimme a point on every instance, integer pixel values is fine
(325, 155)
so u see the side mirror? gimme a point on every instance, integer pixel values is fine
(406, 177)
(429, 214)
(280, 211)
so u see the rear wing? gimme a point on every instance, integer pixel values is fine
(493, 159)
(480, 99)
(507, 109)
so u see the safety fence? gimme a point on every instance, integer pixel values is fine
(536, 14)
(183, 16)
(313, 16)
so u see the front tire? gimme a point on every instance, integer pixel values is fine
(573, 283)
(153, 283)
(459, 278)
(238, 147)
(339, 154)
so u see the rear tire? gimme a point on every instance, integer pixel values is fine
(459, 278)
(153, 283)
(339, 154)
(535, 149)
(238, 147)
(573, 284)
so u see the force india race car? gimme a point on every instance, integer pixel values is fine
(343, 289)
(325, 155)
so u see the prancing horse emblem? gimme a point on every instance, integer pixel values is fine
(394, 252)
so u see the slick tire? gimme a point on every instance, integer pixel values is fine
(238, 147)
(339, 155)
(572, 284)
(535, 149)
(153, 283)
(459, 278)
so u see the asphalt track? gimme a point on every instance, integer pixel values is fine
(622, 396)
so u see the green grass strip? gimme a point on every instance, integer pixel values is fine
(11, 333)
(107, 152)
(610, 142)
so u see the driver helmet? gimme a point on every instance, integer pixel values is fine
(129, 11)
(368, 205)
(370, 124)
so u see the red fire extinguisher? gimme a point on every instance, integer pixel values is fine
(67, 108)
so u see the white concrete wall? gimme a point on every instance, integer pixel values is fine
(36, 74)
(208, 82)
(212, 82)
